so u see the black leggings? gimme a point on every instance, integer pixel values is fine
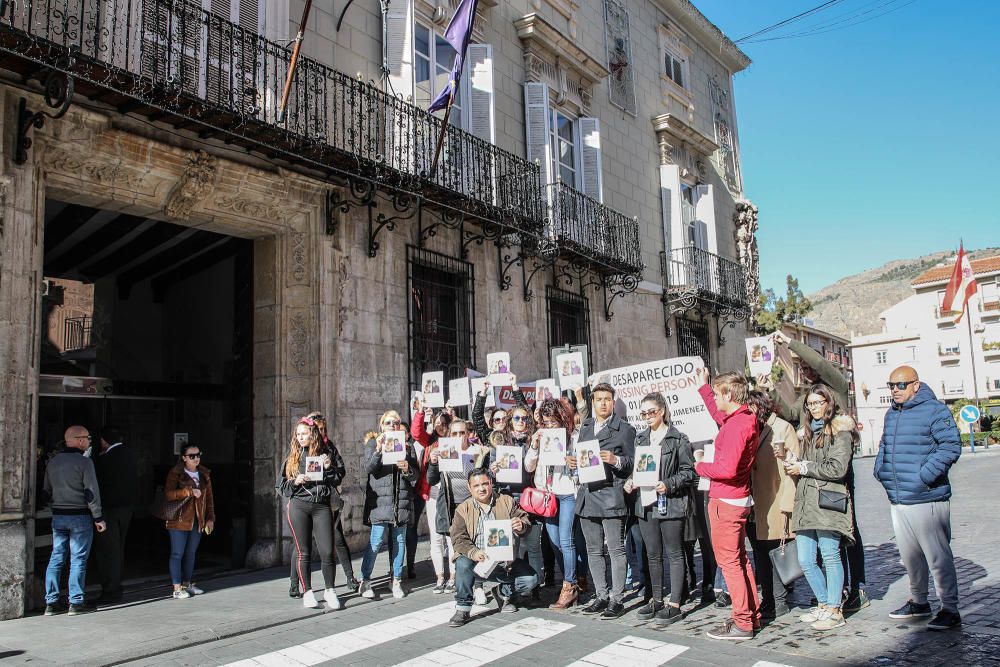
(667, 535)
(311, 521)
(342, 554)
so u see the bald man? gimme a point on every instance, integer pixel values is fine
(71, 485)
(919, 444)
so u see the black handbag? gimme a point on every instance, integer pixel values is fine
(785, 560)
(835, 501)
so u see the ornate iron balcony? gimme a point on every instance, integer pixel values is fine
(586, 227)
(692, 274)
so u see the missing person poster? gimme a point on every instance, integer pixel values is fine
(646, 471)
(433, 389)
(478, 386)
(498, 368)
(674, 378)
(589, 466)
(449, 451)
(499, 540)
(458, 392)
(552, 446)
(760, 355)
(546, 390)
(393, 447)
(314, 468)
(570, 369)
(509, 464)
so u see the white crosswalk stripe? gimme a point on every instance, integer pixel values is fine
(765, 663)
(344, 643)
(631, 650)
(491, 646)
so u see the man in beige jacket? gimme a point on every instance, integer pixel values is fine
(773, 498)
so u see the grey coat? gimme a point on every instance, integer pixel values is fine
(606, 499)
(390, 493)
(827, 469)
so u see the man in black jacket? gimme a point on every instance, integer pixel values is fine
(601, 505)
(117, 477)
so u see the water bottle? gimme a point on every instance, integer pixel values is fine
(661, 503)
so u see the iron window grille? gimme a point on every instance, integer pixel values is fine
(692, 340)
(568, 316)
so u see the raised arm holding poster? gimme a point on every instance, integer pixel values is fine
(675, 379)
(433, 388)
(760, 355)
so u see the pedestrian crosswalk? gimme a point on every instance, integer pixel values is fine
(519, 640)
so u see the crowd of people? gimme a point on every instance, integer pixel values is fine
(788, 491)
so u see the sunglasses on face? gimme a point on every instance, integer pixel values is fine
(649, 413)
(901, 386)
(456, 434)
(815, 404)
(499, 420)
(192, 456)
(391, 422)
(519, 418)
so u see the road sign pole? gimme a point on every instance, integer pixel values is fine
(972, 439)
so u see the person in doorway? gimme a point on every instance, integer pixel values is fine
(388, 503)
(467, 534)
(919, 445)
(729, 496)
(193, 481)
(601, 505)
(117, 476)
(71, 486)
(308, 510)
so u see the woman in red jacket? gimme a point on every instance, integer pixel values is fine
(188, 480)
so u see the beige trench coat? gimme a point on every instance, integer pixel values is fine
(772, 488)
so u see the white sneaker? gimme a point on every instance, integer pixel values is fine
(397, 589)
(332, 601)
(814, 614)
(194, 590)
(309, 600)
(366, 590)
(479, 596)
(181, 594)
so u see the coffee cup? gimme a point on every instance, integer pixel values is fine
(779, 448)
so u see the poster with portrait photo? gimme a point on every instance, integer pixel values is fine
(394, 447)
(449, 451)
(478, 385)
(589, 466)
(646, 470)
(569, 367)
(499, 539)
(432, 386)
(458, 392)
(498, 368)
(314, 468)
(551, 446)
(760, 355)
(547, 389)
(416, 398)
(509, 464)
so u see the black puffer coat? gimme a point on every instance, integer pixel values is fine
(390, 493)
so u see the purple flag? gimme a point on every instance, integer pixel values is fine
(458, 34)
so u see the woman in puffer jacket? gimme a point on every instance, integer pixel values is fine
(822, 511)
(388, 503)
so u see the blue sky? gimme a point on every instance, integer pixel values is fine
(876, 142)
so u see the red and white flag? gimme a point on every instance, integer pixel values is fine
(960, 288)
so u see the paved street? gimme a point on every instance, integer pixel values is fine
(248, 619)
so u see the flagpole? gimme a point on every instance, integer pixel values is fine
(972, 353)
(444, 128)
(294, 61)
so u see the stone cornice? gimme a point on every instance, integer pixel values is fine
(706, 33)
(679, 129)
(540, 37)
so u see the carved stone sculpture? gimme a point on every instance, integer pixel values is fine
(745, 219)
(196, 183)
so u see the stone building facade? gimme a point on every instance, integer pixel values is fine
(590, 193)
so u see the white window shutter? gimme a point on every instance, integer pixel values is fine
(481, 114)
(705, 236)
(591, 182)
(399, 46)
(537, 128)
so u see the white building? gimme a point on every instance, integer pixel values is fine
(917, 332)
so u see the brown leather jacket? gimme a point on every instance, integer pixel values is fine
(180, 485)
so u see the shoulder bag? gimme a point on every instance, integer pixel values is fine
(785, 560)
(538, 502)
(167, 510)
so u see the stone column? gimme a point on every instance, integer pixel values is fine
(21, 210)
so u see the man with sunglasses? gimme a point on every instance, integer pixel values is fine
(71, 485)
(919, 444)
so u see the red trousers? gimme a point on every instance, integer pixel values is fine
(728, 525)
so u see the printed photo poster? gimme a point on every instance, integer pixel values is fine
(509, 464)
(314, 468)
(498, 368)
(674, 378)
(552, 446)
(760, 354)
(449, 451)
(546, 390)
(416, 398)
(458, 392)
(705, 482)
(499, 539)
(433, 389)
(570, 370)
(394, 447)
(477, 388)
(589, 466)
(469, 457)
(646, 471)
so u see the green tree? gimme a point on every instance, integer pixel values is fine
(774, 310)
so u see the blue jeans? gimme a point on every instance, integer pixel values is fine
(829, 589)
(520, 578)
(183, 548)
(566, 540)
(397, 549)
(72, 535)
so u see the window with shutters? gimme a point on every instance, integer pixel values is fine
(564, 148)
(688, 216)
(567, 148)
(233, 67)
(432, 61)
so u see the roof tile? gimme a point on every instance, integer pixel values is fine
(979, 267)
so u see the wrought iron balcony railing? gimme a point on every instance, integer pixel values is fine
(585, 226)
(692, 274)
(172, 59)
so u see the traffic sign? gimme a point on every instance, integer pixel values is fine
(969, 414)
